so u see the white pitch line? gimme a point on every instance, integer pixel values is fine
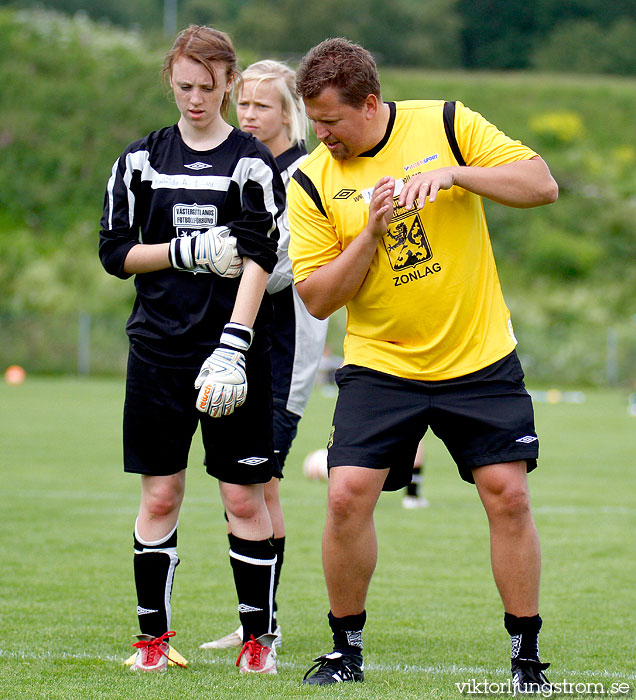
(439, 669)
(586, 510)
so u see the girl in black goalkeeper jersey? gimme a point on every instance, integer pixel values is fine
(191, 210)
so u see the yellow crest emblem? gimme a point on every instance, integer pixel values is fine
(405, 242)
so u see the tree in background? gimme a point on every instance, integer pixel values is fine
(489, 34)
(503, 34)
(143, 14)
(584, 46)
(399, 33)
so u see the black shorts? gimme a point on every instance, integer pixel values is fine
(285, 429)
(485, 417)
(160, 418)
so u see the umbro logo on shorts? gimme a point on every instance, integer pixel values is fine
(253, 461)
(527, 438)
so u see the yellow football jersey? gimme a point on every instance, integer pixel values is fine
(431, 306)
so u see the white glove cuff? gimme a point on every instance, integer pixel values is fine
(180, 253)
(237, 337)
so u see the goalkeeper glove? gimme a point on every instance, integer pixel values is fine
(222, 381)
(213, 250)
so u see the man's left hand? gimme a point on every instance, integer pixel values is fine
(424, 185)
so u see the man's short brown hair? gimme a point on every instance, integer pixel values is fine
(341, 64)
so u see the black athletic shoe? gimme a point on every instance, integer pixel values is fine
(528, 676)
(335, 668)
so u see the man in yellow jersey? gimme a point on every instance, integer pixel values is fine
(386, 218)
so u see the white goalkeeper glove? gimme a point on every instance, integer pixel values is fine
(222, 381)
(213, 250)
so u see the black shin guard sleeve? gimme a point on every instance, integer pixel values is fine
(154, 567)
(253, 566)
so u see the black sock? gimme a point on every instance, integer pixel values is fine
(253, 564)
(279, 549)
(154, 566)
(347, 633)
(524, 636)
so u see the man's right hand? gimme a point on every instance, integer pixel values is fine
(381, 207)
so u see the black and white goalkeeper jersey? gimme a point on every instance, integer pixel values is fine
(298, 339)
(160, 188)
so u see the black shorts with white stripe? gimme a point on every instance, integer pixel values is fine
(485, 417)
(160, 419)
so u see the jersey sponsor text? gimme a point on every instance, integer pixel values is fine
(418, 274)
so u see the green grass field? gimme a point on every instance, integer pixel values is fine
(67, 597)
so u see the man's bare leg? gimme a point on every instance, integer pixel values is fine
(349, 542)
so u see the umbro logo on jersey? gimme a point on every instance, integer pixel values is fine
(527, 438)
(344, 194)
(144, 611)
(242, 608)
(197, 166)
(253, 461)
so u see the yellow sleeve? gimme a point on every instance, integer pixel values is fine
(482, 144)
(312, 239)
